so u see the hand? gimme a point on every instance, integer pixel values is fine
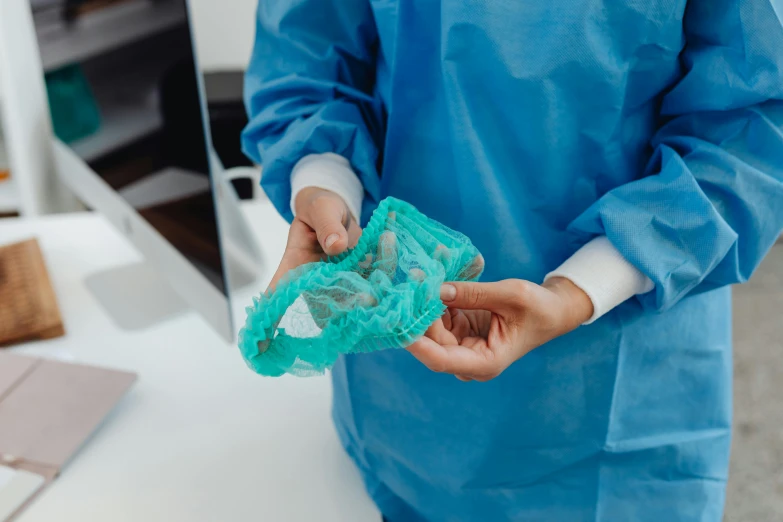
(488, 326)
(323, 226)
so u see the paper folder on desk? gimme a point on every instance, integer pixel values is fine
(47, 410)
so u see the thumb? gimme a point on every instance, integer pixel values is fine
(481, 296)
(328, 219)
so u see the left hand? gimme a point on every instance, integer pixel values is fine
(488, 326)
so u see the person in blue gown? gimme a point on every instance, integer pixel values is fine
(619, 165)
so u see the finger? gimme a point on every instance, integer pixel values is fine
(285, 266)
(386, 259)
(301, 247)
(263, 346)
(417, 274)
(328, 218)
(454, 359)
(354, 233)
(472, 270)
(328, 303)
(446, 320)
(366, 264)
(269, 333)
(481, 296)
(302, 237)
(441, 254)
(281, 271)
(460, 325)
(438, 333)
(463, 378)
(366, 300)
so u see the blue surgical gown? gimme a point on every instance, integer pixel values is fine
(532, 127)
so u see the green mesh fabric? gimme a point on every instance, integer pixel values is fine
(384, 293)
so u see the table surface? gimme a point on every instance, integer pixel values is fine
(199, 437)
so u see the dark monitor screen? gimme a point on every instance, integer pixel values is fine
(124, 95)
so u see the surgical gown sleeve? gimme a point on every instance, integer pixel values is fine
(309, 89)
(710, 204)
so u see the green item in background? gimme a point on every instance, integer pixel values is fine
(75, 113)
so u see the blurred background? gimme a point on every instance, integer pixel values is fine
(116, 78)
(115, 72)
(755, 491)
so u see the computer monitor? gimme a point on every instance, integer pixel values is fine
(129, 135)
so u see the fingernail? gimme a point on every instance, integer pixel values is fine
(331, 240)
(417, 274)
(448, 292)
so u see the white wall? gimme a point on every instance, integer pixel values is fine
(224, 31)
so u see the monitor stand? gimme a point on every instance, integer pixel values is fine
(135, 296)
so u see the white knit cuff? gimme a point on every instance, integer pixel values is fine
(602, 272)
(331, 172)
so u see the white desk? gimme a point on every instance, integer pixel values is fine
(199, 437)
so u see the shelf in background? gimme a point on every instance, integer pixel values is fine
(9, 196)
(120, 126)
(107, 29)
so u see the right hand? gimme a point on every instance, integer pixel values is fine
(323, 226)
